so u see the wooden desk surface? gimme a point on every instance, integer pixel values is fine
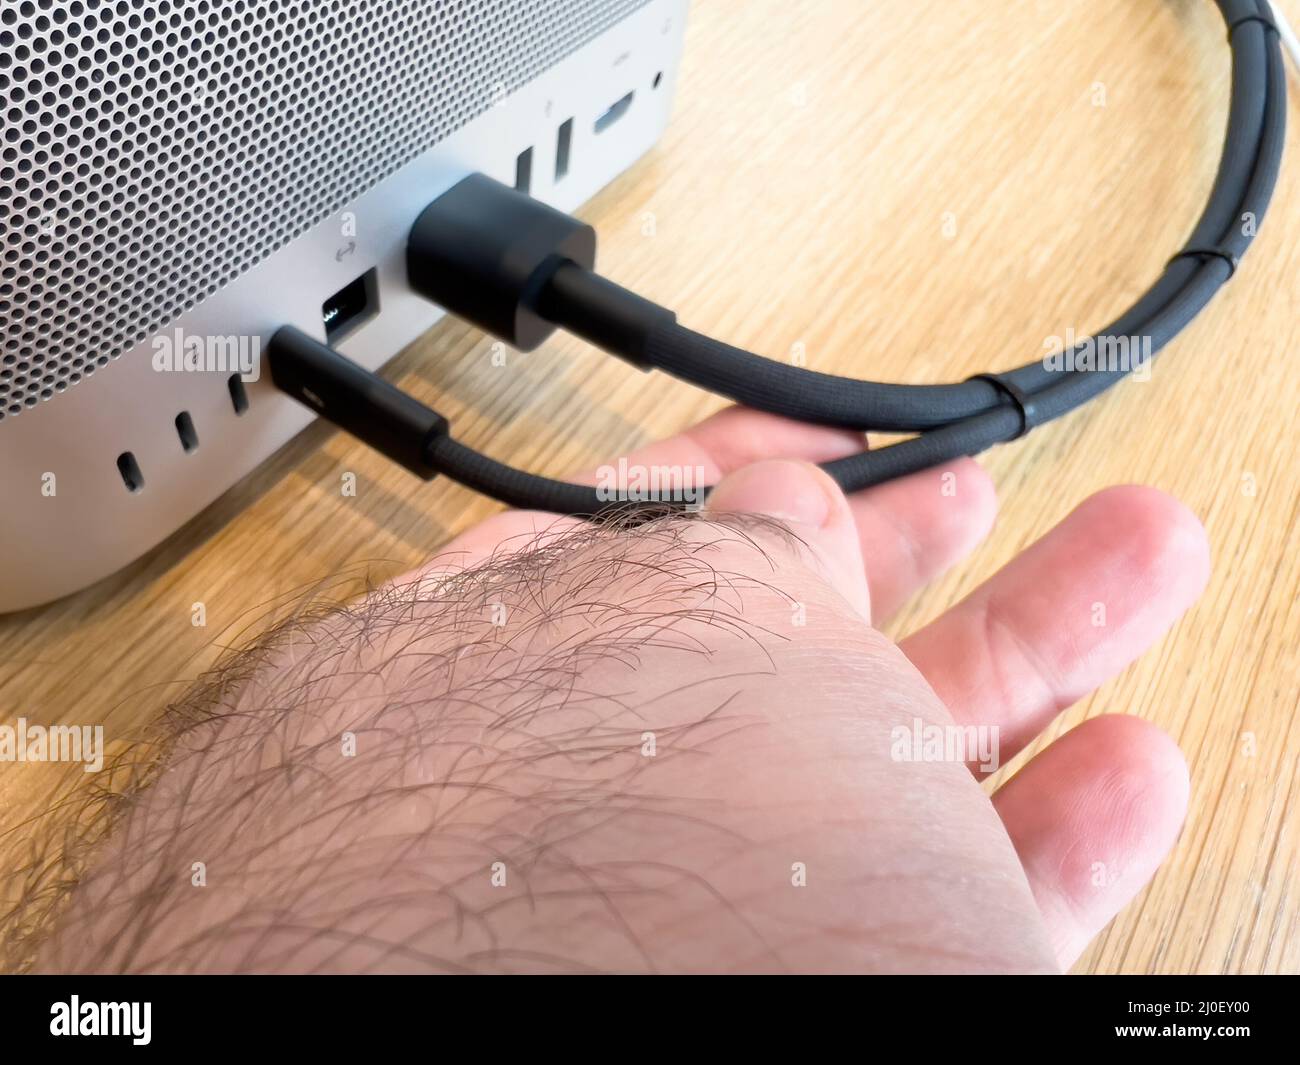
(909, 190)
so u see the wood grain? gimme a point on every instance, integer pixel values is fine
(909, 190)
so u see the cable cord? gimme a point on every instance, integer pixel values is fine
(527, 491)
(417, 437)
(964, 419)
(519, 269)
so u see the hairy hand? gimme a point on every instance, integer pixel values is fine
(676, 746)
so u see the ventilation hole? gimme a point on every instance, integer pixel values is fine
(130, 471)
(185, 430)
(659, 78)
(238, 394)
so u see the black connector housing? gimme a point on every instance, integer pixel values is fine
(354, 399)
(484, 252)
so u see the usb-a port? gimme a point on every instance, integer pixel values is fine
(350, 306)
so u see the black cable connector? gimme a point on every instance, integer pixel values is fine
(381, 415)
(353, 398)
(485, 252)
(518, 268)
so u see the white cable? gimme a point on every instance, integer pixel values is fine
(1289, 40)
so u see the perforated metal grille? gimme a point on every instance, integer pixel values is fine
(152, 151)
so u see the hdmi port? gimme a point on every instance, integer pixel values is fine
(614, 113)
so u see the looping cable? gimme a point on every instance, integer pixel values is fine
(948, 420)
(1265, 19)
(1021, 400)
(1202, 254)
